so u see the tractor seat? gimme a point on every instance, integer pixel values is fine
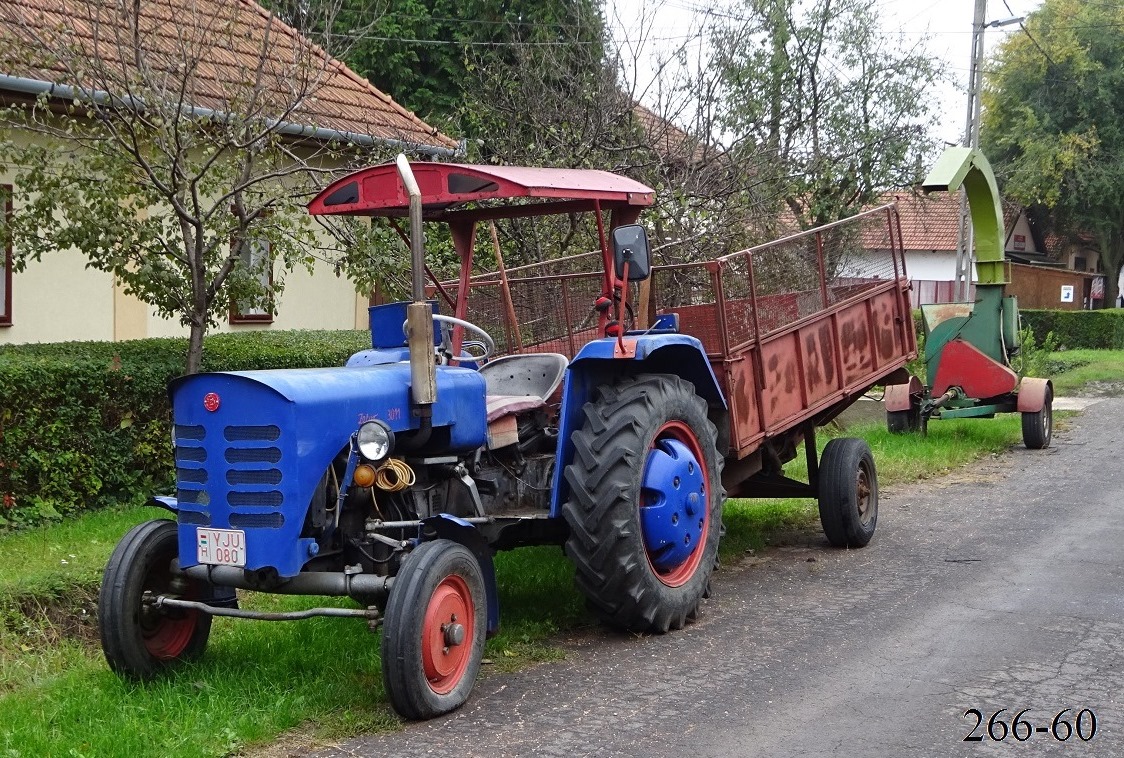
(516, 383)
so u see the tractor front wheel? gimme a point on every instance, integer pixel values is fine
(848, 492)
(1038, 426)
(645, 505)
(139, 640)
(433, 636)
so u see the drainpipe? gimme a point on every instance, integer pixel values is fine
(66, 92)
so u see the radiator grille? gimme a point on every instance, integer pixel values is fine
(270, 476)
(269, 433)
(253, 455)
(257, 520)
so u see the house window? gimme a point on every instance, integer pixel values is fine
(1079, 263)
(254, 256)
(5, 256)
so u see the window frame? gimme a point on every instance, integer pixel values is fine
(6, 192)
(236, 316)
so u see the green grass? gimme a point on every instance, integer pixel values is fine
(322, 676)
(1077, 371)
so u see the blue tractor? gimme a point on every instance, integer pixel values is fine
(394, 479)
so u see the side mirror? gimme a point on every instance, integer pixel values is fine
(630, 243)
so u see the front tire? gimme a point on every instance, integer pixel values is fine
(1038, 426)
(645, 505)
(139, 641)
(433, 636)
(848, 492)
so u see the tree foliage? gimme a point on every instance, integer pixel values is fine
(1053, 122)
(840, 106)
(158, 178)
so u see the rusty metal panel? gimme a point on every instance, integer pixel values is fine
(854, 343)
(741, 393)
(817, 350)
(887, 336)
(782, 393)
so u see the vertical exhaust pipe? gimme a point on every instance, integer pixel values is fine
(419, 317)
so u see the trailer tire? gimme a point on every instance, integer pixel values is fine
(433, 636)
(1038, 426)
(848, 492)
(140, 642)
(645, 504)
(902, 422)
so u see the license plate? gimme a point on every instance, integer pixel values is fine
(221, 547)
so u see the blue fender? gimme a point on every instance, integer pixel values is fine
(445, 526)
(598, 362)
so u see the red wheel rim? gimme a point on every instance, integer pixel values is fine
(444, 660)
(168, 637)
(681, 574)
(166, 634)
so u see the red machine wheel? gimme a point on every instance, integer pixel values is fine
(645, 483)
(1038, 426)
(848, 492)
(139, 641)
(433, 636)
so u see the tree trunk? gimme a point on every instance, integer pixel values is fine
(1112, 257)
(195, 348)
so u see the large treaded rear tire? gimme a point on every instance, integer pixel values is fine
(140, 642)
(646, 445)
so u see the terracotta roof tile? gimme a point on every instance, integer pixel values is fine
(670, 142)
(929, 222)
(223, 41)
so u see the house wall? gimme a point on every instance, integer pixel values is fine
(59, 299)
(937, 265)
(1019, 238)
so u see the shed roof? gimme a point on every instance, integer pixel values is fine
(223, 43)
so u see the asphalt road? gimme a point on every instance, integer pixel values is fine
(999, 588)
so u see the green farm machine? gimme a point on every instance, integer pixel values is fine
(969, 345)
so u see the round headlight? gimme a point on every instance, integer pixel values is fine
(375, 441)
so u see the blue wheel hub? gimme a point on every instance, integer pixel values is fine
(672, 504)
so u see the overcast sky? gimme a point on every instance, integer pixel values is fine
(946, 23)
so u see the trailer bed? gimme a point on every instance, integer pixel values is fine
(795, 330)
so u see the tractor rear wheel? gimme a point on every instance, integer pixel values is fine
(433, 636)
(848, 492)
(1038, 426)
(138, 640)
(645, 504)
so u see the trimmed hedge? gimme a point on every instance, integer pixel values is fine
(87, 424)
(1076, 330)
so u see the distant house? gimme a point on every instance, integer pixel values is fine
(1046, 272)
(59, 299)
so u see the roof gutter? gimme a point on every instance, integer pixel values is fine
(67, 92)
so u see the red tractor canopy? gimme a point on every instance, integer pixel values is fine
(447, 188)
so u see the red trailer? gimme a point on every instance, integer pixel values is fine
(793, 338)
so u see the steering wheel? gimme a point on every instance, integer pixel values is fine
(486, 342)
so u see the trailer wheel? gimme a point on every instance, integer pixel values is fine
(1038, 426)
(848, 492)
(901, 422)
(433, 636)
(139, 641)
(645, 506)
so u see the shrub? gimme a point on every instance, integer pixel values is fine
(1074, 330)
(87, 424)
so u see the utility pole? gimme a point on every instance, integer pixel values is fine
(971, 139)
(965, 246)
